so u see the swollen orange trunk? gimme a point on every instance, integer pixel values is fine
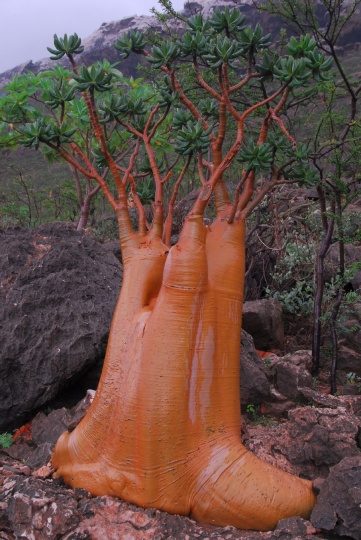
(164, 428)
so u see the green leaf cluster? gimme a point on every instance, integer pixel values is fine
(145, 168)
(6, 440)
(146, 190)
(252, 41)
(226, 20)
(163, 54)
(223, 50)
(193, 43)
(130, 42)
(93, 78)
(192, 138)
(181, 117)
(58, 95)
(256, 157)
(66, 46)
(208, 107)
(44, 130)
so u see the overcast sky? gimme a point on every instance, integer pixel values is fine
(27, 26)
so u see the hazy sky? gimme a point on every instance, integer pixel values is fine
(27, 26)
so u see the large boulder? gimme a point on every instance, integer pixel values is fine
(255, 386)
(58, 292)
(263, 320)
(312, 440)
(316, 439)
(291, 373)
(338, 508)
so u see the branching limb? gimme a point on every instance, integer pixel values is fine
(276, 180)
(205, 193)
(186, 102)
(203, 83)
(236, 197)
(159, 121)
(92, 173)
(200, 168)
(142, 221)
(98, 132)
(167, 231)
(282, 127)
(128, 171)
(224, 84)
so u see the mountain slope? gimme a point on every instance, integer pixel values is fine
(100, 43)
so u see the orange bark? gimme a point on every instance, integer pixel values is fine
(164, 428)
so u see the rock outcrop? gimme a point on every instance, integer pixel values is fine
(255, 385)
(312, 440)
(263, 320)
(58, 292)
(338, 507)
(99, 44)
(33, 505)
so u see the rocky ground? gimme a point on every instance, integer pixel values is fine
(321, 442)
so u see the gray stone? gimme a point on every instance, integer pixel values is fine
(263, 320)
(255, 386)
(291, 373)
(317, 439)
(293, 528)
(338, 507)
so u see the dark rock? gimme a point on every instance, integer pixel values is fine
(57, 296)
(263, 320)
(349, 360)
(48, 428)
(255, 387)
(312, 441)
(45, 431)
(34, 456)
(317, 484)
(351, 403)
(301, 359)
(294, 528)
(317, 439)
(338, 507)
(79, 411)
(325, 400)
(38, 509)
(290, 378)
(277, 410)
(290, 373)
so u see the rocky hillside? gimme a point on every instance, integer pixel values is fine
(100, 43)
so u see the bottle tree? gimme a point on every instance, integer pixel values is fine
(164, 428)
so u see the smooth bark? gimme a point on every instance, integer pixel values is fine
(164, 428)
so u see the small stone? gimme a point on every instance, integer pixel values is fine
(44, 472)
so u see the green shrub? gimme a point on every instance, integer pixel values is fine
(6, 440)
